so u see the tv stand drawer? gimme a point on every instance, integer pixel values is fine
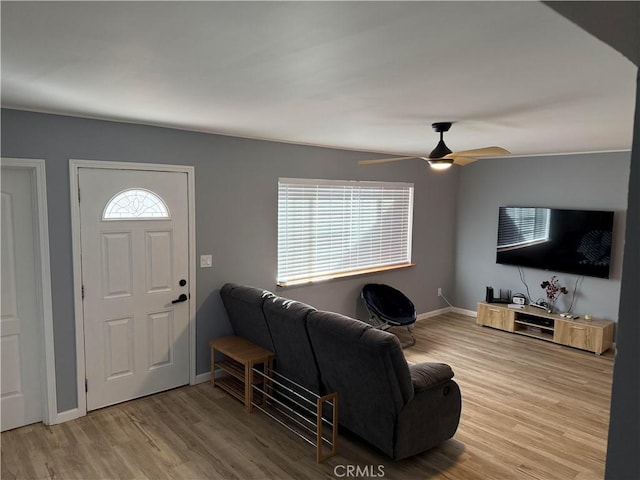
(496, 317)
(584, 336)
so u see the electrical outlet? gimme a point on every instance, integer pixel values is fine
(439, 291)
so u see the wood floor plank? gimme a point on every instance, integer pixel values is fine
(531, 410)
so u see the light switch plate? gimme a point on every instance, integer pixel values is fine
(206, 261)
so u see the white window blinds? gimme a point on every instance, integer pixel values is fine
(331, 228)
(518, 227)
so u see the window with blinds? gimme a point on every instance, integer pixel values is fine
(329, 228)
(519, 227)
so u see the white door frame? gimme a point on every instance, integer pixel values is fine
(74, 166)
(43, 280)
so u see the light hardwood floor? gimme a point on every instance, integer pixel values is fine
(531, 410)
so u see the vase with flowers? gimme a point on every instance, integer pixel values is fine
(553, 290)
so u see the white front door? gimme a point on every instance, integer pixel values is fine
(135, 272)
(21, 397)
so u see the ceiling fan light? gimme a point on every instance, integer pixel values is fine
(440, 163)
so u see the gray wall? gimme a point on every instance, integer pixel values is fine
(623, 461)
(236, 216)
(592, 182)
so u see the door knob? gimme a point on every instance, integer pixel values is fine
(181, 298)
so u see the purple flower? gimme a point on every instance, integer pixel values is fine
(552, 289)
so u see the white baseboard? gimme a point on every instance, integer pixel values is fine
(202, 378)
(464, 311)
(206, 377)
(433, 313)
(440, 311)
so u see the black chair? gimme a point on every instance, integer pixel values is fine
(388, 308)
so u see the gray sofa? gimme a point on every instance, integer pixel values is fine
(401, 409)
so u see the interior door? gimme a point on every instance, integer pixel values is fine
(21, 385)
(134, 242)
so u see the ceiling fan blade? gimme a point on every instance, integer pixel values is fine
(480, 152)
(383, 160)
(462, 161)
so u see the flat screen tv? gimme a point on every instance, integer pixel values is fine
(568, 241)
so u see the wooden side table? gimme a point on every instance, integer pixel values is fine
(241, 357)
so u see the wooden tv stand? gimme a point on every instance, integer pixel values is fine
(592, 335)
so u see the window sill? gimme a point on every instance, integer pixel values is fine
(350, 273)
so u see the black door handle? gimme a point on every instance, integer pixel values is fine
(181, 298)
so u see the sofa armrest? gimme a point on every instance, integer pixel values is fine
(427, 375)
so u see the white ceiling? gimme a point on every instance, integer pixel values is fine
(367, 76)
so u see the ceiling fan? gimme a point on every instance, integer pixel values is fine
(442, 157)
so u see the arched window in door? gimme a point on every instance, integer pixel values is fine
(136, 204)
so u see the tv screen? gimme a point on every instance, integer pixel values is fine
(568, 241)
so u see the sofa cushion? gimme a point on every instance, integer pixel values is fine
(244, 308)
(287, 321)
